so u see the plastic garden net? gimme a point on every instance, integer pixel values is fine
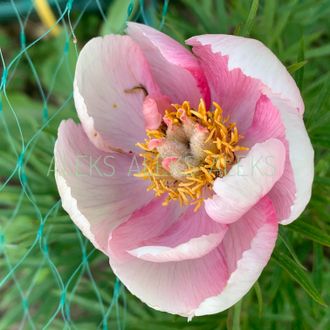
(50, 275)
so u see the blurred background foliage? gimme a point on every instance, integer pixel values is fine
(50, 276)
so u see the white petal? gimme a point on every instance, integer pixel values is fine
(247, 182)
(98, 189)
(107, 93)
(301, 157)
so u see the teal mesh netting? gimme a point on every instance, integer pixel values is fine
(50, 275)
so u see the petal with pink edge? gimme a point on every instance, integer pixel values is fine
(247, 247)
(256, 61)
(98, 189)
(184, 287)
(111, 78)
(192, 236)
(174, 68)
(247, 182)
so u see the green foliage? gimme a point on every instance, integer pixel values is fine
(50, 276)
(119, 13)
(299, 275)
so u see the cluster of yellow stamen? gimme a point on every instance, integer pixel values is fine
(218, 154)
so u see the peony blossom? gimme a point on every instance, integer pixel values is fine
(184, 163)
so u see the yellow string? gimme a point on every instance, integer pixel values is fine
(47, 17)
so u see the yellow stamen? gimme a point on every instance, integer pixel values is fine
(195, 184)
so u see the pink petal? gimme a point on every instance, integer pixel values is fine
(153, 110)
(174, 227)
(247, 247)
(144, 224)
(174, 68)
(98, 189)
(107, 96)
(192, 236)
(267, 123)
(173, 287)
(256, 61)
(247, 182)
(189, 287)
(232, 89)
(301, 157)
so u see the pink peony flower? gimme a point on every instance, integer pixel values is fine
(184, 163)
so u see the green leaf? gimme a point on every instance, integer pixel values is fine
(259, 297)
(296, 66)
(322, 180)
(299, 75)
(281, 24)
(119, 13)
(317, 115)
(237, 30)
(237, 316)
(251, 18)
(311, 232)
(318, 265)
(318, 52)
(300, 276)
(291, 251)
(267, 19)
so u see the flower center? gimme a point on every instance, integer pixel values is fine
(190, 149)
